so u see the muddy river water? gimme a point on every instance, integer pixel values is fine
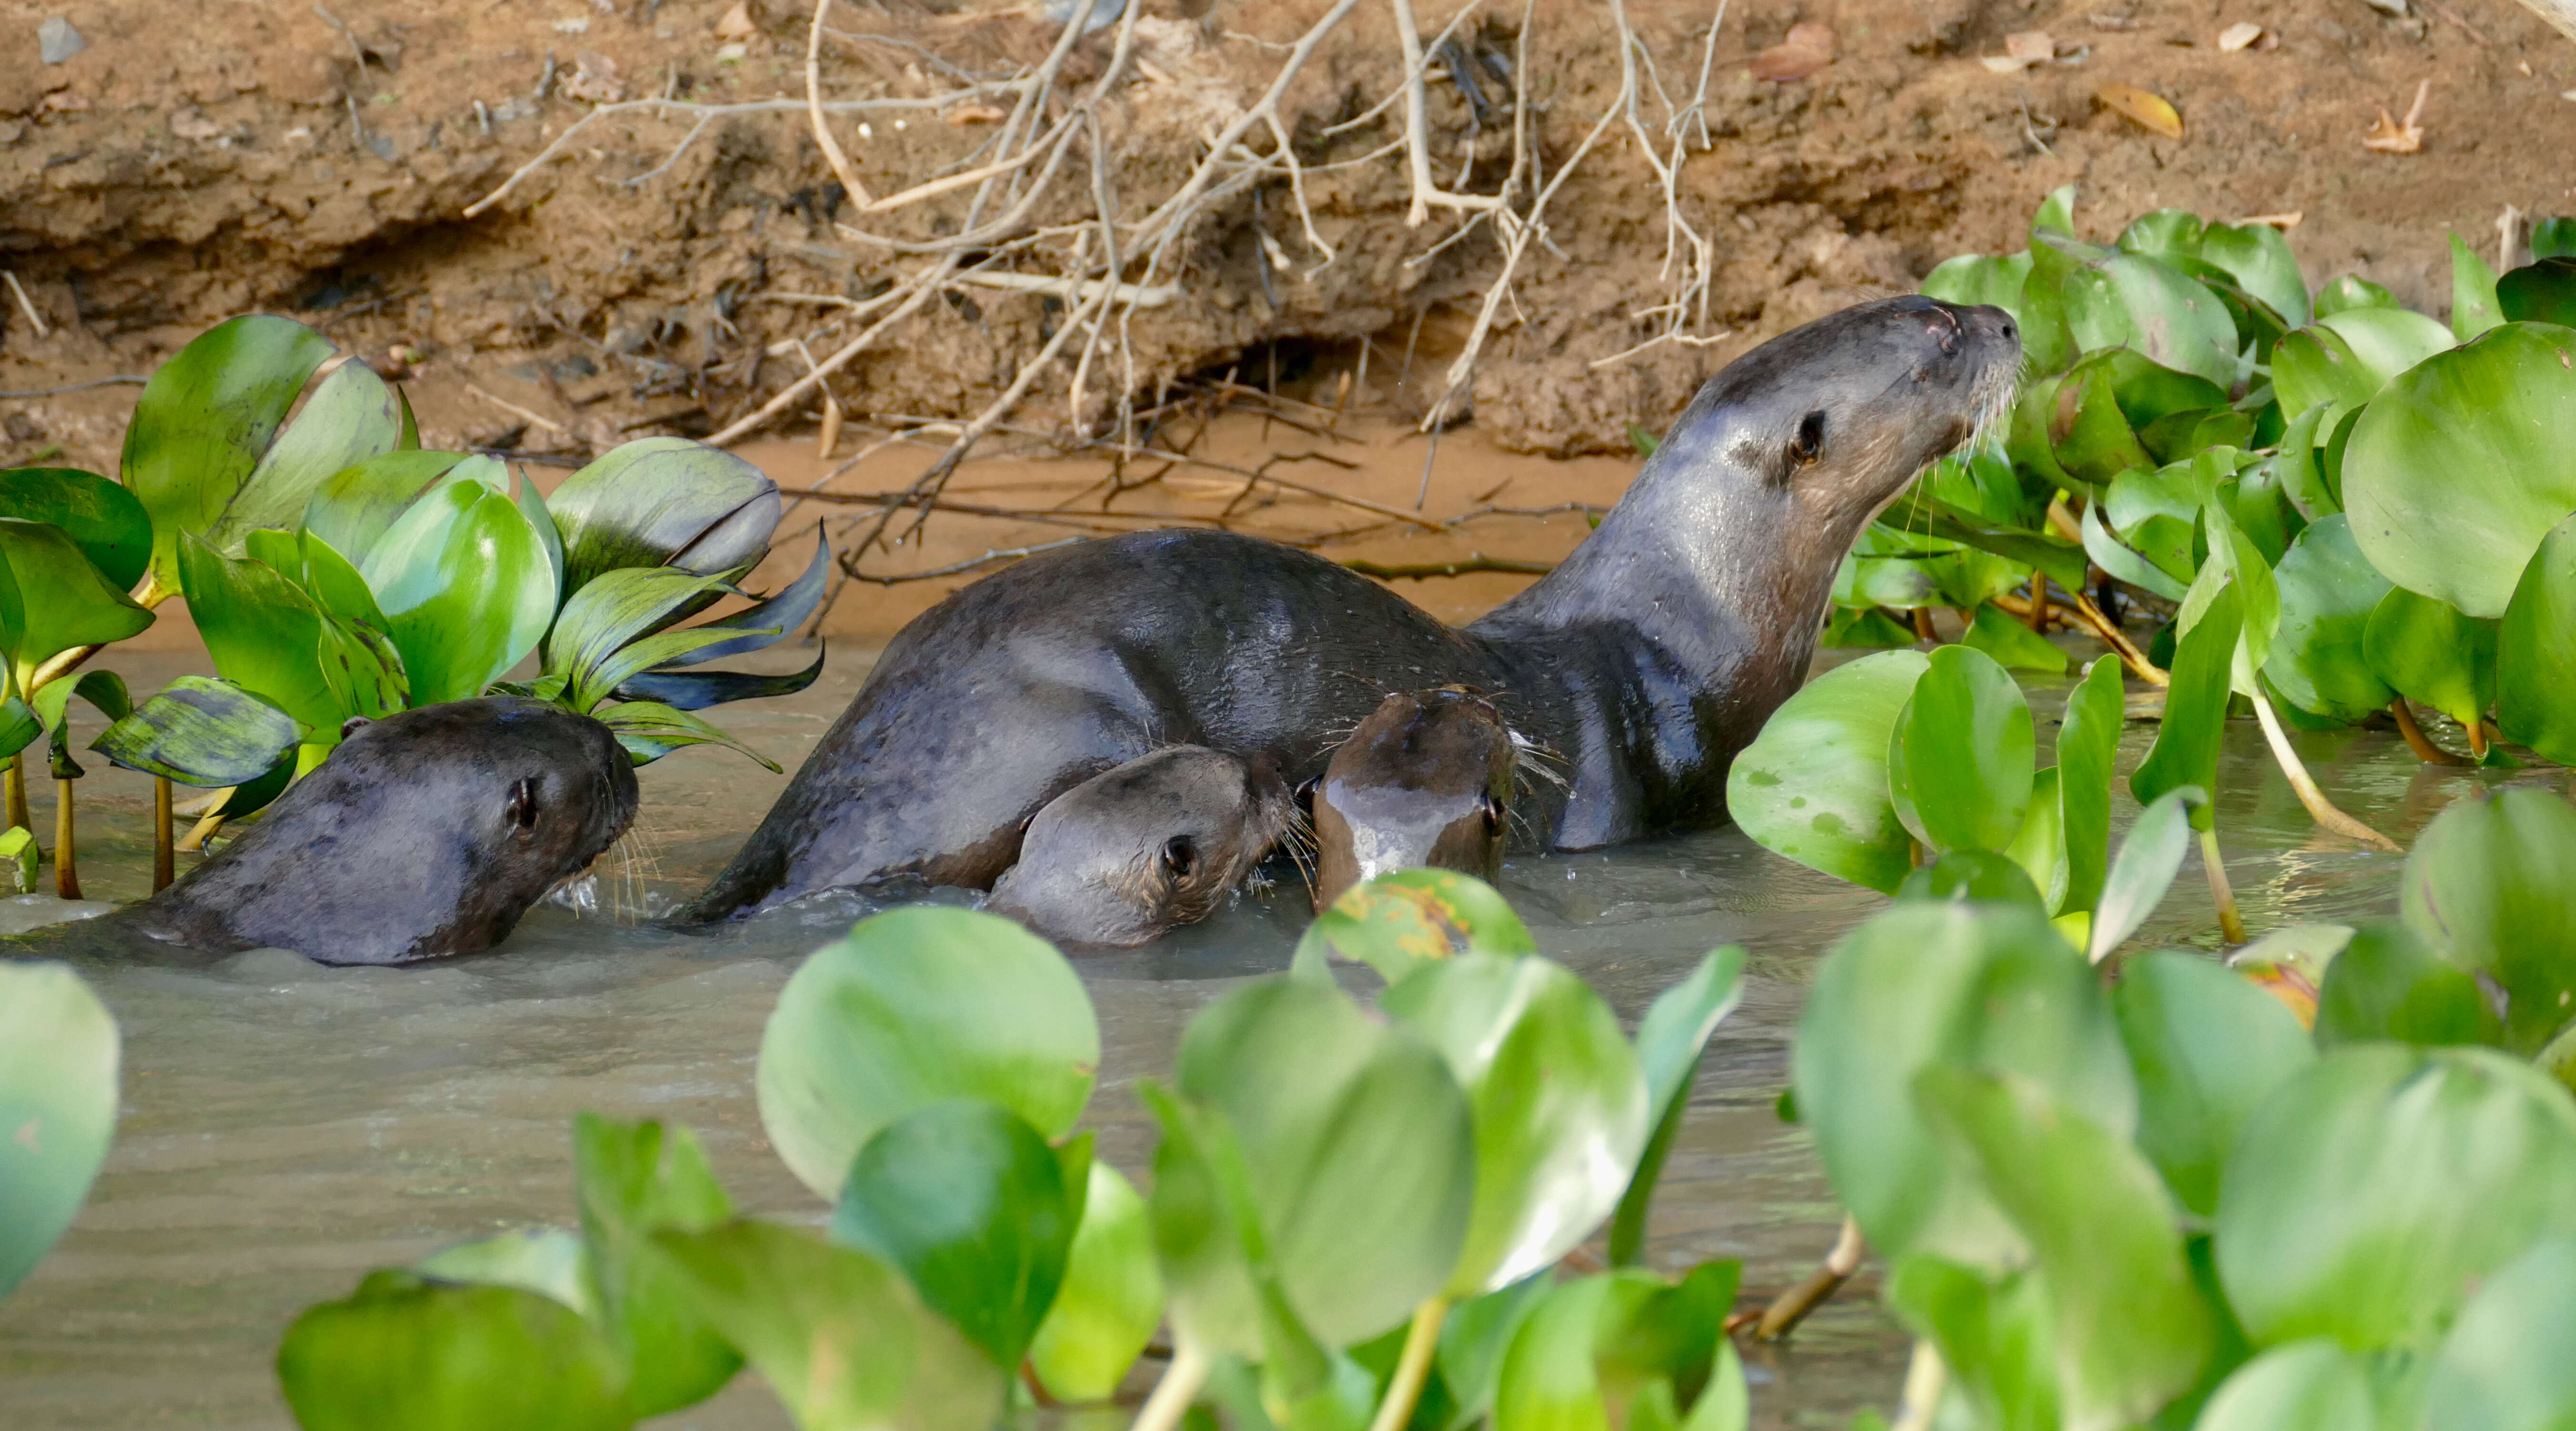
(285, 1126)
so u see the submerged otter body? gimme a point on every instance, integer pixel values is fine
(428, 832)
(1645, 661)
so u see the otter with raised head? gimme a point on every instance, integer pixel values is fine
(1425, 780)
(1139, 849)
(428, 832)
(1647, 659)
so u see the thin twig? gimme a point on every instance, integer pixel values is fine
(1792, 1306)
(549, 424)
(25, 305)
(832, 154)
(78, 387)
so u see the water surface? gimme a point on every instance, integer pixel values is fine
(286, 1127)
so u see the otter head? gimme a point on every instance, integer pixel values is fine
(1425, 780)
(1143, 847)
(426, 833)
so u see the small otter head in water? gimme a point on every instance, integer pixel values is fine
(426, 833)
(1144, 847)
(1425, 780)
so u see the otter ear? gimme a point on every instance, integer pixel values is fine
(1179, 856)
(1809, 443)
(352, 725)
(523, 803)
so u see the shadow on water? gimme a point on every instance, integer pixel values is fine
(286, 1126)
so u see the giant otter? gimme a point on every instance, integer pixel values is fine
(428, 832)
(1425, 781)
(1647, 659)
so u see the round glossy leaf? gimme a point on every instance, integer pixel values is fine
(204, 420)
(2259, 257)
(466, 587)
(1959, 758)
(2387, 983)
(838, 1334)
(2131, 1330)
(2473, 293)
(103, 519)
(2351, 291)
(2162, 233)
(1996, 1335)
(1977, 986)
(2536, 651)
(2489, 883)
(351, 508)
(2345, 358)
(2510, 1362)
(2428, 651)
(1558, 1103)
(912, 1007)
(545, 1260)
(1975, 278)
(1670, 1039)
(2302, 1386)
(263, 631)
(399, 1357)
(2328, 592)
(58, 1078)
(2371, 1193)
(1963, 876)
(1111, 1298)
(2134, 302)
(1813, 785)
(2001, 635)
(1405, 918)
(351, 416)
(2208, 1047)
(635, 1179)
(61, 600)
(2088, 747)
(1342, 1140)
(202, 732)
(2455, 473)
(664, 501)
(2540, 292)
(966, 1199)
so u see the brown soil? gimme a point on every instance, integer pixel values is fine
(196, 161)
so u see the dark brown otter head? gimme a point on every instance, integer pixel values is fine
(426, 833)
(1425, 780)
(1144, 847)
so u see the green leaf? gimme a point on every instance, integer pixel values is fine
(2448, 490)
(465, 587)
(1399, 920)
(2150, 856)
(2387, 983)
(1980, 875)
(635, 1179)
(2347, 357)
(203, 732)
(264, 633)
(2234, 559)
(2002, 635)
(58, 1087)
(970, 1203)
(2127, 301)
(2488, 883)
(837, 1334)
(2328, 592)
(594, 645)
(2510, 1362)
(2543, 291)
(2553, 238)
(2473, 293)
(650, 730)
(2088, 747)
(1995, 1337)
(20, 727)
(1813, 785)
(1559, 1108)
(401, 1356)
(2348, 292)
(1110, 1300)
(2163, 233)
(2126, 564)
(2259, 257)
(2536, 651)
(1314, 1147)
(204, 421)
(1607, 1351)
(2371, 1192)
(2130, 1330)
(101, 518)
(911, 1007)
(61, 600)
(545, 1260)
(664, 501)
(2428, 651)
(351, 509)
(1977, 986)
(351, 416)
(1670, 1040)
(697, 690)
(2186, 748)
(765, 623)
(2311, 1385)
(2207, 1047)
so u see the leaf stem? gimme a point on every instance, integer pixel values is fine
(1178, 1388)
(1791, 1307)
(2417, 741)
(1923, 630)
(2230, 926)
(164, 862)
(1413, 1367)
(2320, 809)
(17, 817)
(2118, 640)
(2477, 730)
(66, 854)
(1925, 1379)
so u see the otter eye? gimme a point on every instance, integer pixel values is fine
(1179, 856)
(1809, 444)
(523, 804)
